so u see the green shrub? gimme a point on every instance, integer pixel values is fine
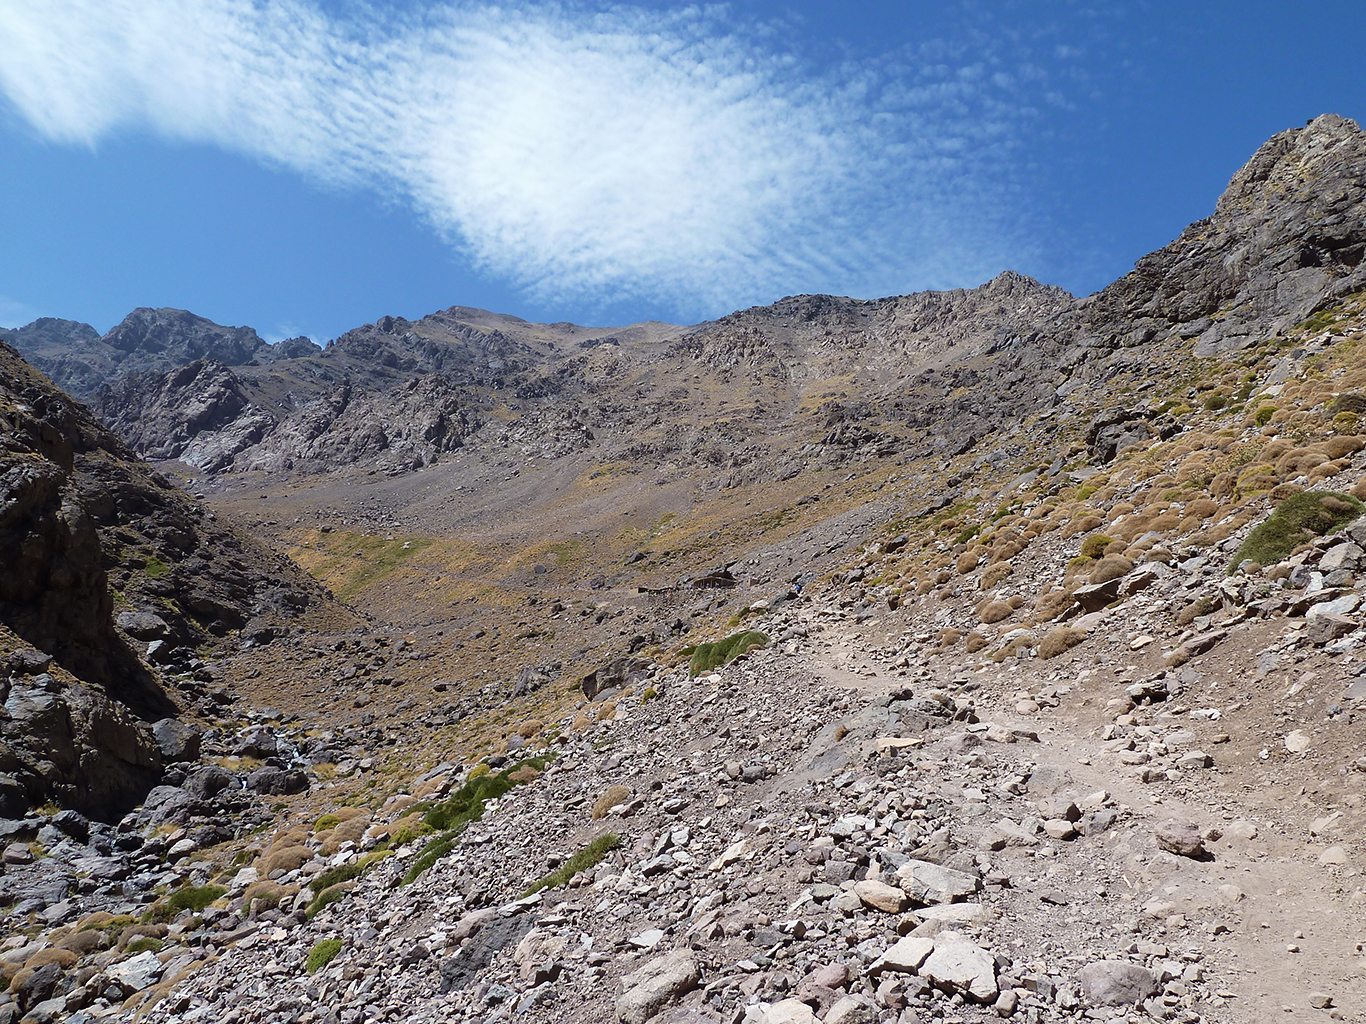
(191, 897)
(586, 858)
(452, 815)
(322, 954)
(143, 944)
(325, 822)
(705, 657)
(1094, 546)
(1263, 415)
(1296, 520)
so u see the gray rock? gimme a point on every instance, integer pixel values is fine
(143, 625)
(1116, 983)
(1326, 627)
(1180, 837)
(1341, 556)
(177, 740)
(959, 965)
(934, 883)
(649, 988)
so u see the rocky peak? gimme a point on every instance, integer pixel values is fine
(181, 336)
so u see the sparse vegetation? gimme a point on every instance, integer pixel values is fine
(586, 858)
(705, 657)
(190, 897)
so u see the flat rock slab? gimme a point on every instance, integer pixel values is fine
(138, 972)
(960, 965)
(1116, 983)
(933, 883)
(903, 958)
(646, 990)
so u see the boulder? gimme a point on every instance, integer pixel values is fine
(958, 964)
(177, 740)
(1116, 983)
(1180, 837)
(926, 882)
(655, 984)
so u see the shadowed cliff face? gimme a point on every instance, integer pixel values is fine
(75, 505)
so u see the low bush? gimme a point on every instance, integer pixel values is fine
(1296, 520)
(586, 858)
(994, 611)
(1094, 545)
(1111, 567)
(614, 795)
(705, 657)
(190, 897)
(322, 954)
(1060, 641)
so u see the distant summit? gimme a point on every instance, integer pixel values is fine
(79, 360)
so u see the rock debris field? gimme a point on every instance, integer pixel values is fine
(816, 832)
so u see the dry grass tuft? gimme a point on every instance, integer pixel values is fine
(614, 796)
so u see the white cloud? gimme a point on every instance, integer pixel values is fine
(580, 154)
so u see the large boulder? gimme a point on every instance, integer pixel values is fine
(650, 988)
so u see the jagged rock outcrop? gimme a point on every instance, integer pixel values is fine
(149, 342)
(1287, 236)
(80, 517)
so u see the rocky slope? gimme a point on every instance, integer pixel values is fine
(99, 555)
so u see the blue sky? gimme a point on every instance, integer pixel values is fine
(305, 167)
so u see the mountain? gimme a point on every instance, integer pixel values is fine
(970, 655)
(79, 360)
(99, 554)
(1285, 239)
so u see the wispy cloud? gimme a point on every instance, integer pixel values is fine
(586, 154)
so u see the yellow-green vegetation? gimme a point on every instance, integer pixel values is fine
(451, 816)
(190, 897)
(1094, 546)
(155, 567)
(143, 944)
(1296, 520)
(352, 562)
(705, 657)
(329, 885)
(322, 954)
(586, 858)
(325, 822)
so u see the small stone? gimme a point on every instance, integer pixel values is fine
(1320, 1000)
(1297, 741)
(881, 896)
(1335, 855)
(1116, 982)
(1180, 837)
(1060, 828)
(1195, 759)
(1006, 1003)
(18, 853)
